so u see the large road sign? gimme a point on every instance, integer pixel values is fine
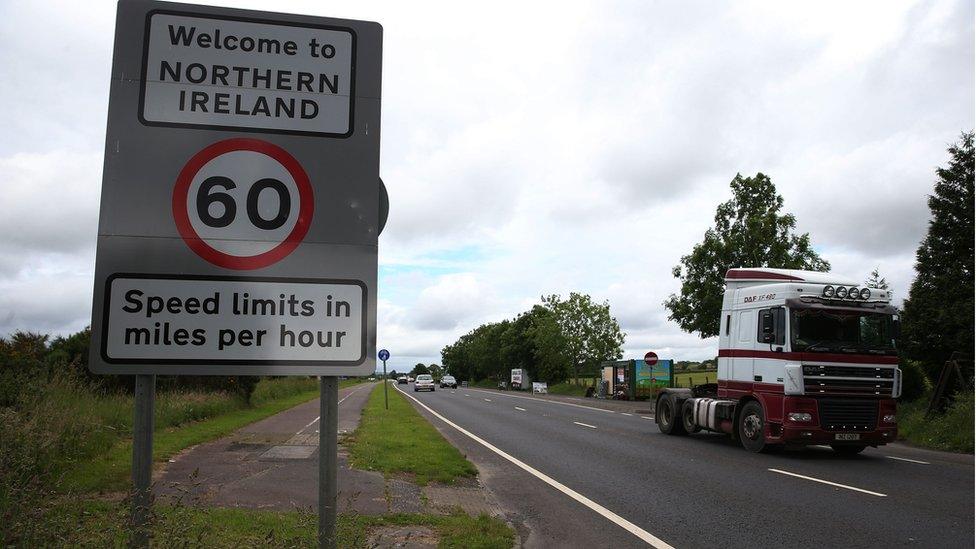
(240, 204)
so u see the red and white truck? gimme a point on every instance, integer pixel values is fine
(804, 358)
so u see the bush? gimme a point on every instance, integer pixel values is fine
(914, 382)
(952, 431)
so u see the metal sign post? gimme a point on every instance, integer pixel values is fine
(142, 443)
(328, 460)
(240, 209)
(384, 355)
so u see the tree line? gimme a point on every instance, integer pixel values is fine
(555, 340)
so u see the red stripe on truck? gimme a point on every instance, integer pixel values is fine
(733, 274)
(809, 357)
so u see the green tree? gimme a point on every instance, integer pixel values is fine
(938, 314)
(877, 281)
(420, 368)
(590, 334)
(749, 231)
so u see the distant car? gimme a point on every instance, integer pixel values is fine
(370, 379)
(424, 382)
(409, 379)
(402, 379)
(448, 381)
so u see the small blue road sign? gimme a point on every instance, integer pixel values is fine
(384, 354)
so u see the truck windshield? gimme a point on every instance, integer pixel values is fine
(820, 330)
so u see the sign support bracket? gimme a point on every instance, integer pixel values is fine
(328, 460)
(142, 443)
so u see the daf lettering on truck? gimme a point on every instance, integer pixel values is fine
(804, 358)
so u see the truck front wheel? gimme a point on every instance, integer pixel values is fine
(752, 426)
(668, 416)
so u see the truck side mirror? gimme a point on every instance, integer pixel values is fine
(768, 326)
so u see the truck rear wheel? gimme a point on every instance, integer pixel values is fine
(752, 427)
(668, 416)
(688, 417)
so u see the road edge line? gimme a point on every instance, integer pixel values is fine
(644, 535)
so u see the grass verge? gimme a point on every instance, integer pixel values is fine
(111, 470)
(951, 431)
(568, 388)
(400, 440)
(104, 524)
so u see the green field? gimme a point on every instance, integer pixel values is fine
(688, 379)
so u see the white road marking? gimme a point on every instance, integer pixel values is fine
(487, 400)
(909, 460)
(553, 402)
(320, 417)
(585, 425)
(625, 414)
(520, 409)
(467, 395)
(644, 535)
(646, 417)
(846, 487)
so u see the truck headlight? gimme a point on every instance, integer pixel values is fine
(800, 416)
(865, 293)
(841, 292)
(889, 419)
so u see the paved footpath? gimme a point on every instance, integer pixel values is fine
(273, 464)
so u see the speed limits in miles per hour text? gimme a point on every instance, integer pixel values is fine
(243, 320)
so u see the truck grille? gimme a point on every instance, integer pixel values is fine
(847, 380)
(838, 414)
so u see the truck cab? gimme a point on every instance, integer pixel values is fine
(804, 358)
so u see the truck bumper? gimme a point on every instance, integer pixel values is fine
(830, 431)
(804, 435)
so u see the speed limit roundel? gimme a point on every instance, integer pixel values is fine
(242, 203)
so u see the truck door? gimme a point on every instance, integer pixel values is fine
(744, 341)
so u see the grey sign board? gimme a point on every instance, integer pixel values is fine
(239, 205)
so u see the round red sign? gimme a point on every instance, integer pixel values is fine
(243, 203)
(650, 358)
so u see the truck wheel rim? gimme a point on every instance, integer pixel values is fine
(752, 426)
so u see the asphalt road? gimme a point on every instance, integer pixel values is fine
(615, 481)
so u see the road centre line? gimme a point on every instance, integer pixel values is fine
(319, 417)
(625, 414)
(487, 400)
(520, 409)
(644, 535)
(553, 402)
(647, 417)
(585, 425)
(909, 460)
(880, 495)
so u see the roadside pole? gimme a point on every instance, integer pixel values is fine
(384, 355)
(386, 385)
(142, 443)
(328, 459)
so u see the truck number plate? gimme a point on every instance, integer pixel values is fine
(847, 436)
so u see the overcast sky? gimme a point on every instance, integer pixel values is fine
(534, 148)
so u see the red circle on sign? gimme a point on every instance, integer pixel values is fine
(650, 358)
(217, 257)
